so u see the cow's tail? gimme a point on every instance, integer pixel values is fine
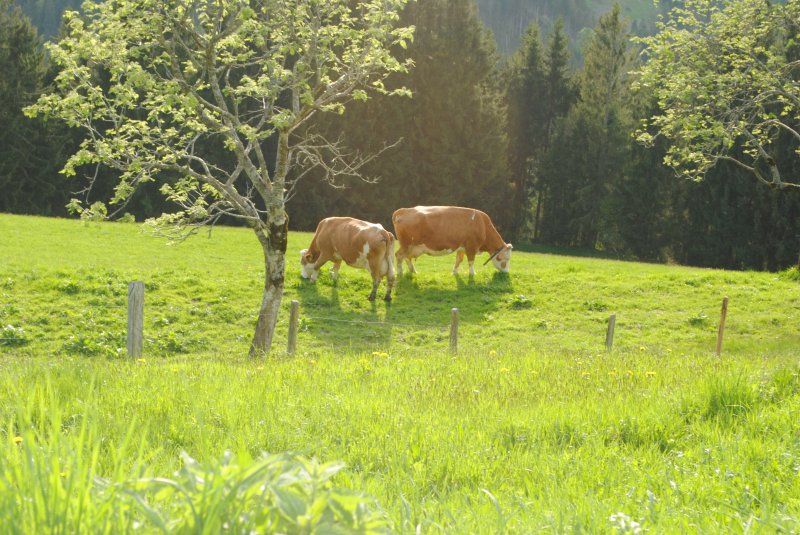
(388, 255)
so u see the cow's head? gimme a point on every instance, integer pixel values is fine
(502, 258)
(307, 270)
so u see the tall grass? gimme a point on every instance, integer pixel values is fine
(465, 444)
(63, 474)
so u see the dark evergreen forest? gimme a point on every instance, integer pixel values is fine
(522, 108)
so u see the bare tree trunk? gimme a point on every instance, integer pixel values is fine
(273, 244)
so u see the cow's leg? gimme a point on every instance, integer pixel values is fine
(389, 286)
(316, 267)
(398, 260)
(459, 258)
(411, 267)
(374, 265)
(389, 265)
(336, 266)
(375, 282)
(471, 260)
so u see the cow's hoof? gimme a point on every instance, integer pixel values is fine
(388, 298)
(371, 297)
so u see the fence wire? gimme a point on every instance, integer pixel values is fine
(151, 338)
(382, 323)
(17, 307)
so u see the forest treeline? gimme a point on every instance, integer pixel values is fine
(541, 142)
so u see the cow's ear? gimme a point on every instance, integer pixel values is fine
(308, 257)
(509, 246)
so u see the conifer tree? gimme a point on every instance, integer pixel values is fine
(539, 92)
(30, 154)
(451, 133)
(527, 103)
(589, 153)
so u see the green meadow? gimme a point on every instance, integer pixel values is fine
(373, 425)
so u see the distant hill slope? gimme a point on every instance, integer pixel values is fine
(507, 19)
(46, 14)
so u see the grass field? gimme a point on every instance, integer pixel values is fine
(533, 426)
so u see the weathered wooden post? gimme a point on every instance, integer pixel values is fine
(454, 331)
(293, 316)
(135, 318)
(612, 322)
(722, 315)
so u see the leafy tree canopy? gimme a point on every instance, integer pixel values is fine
(725, 75)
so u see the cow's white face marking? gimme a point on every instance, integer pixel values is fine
(307, 270)
(503, 259)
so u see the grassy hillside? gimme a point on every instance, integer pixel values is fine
(60, 277)
(532, 426)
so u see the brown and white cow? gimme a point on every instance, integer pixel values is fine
(359, 243)
(440, 230)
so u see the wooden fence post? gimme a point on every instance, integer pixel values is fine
(135, 318)
(293, 315)
(612, 322)
(722, 315)
(454, 331)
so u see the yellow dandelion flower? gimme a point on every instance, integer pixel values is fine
(630, 373)
(492, 353)
(376, 353)
(642, 348)
(312, 362)
(612, 373)
(503, 370)
(260, 367)
(141, 360)
(650, 374)
(586, 374)
(17, 440)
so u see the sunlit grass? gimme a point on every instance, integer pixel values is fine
(533, 426)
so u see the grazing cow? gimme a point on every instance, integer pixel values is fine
(359, 243)
(440, 230)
